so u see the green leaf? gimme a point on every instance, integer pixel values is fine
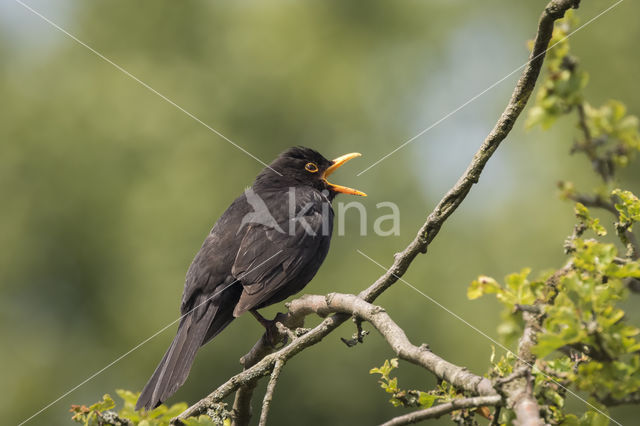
(483, 285)
(426, 400)
(203, 421)
(127, 396)
(583, 214)
(629, 208)
(593, 418)
(107, 403)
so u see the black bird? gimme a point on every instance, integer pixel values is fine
(264, 248)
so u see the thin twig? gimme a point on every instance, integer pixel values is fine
(532, 309)
(268, 396)
(442, 409)
(262, 348)
(521, 372)
(604, 167)
(594, 201)
(495, 421)
(242, 402)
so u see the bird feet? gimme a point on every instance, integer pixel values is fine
(275, 332)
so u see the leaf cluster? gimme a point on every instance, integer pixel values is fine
(584, 340)
(406, 398)
(561, 91)
(610, 136)
(102, 413)
(443, 392)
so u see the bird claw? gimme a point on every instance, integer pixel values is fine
(275, 336)
(275, 332)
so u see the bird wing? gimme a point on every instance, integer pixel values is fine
(210, 271)
(269, 259)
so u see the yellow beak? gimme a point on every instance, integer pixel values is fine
(335, 166)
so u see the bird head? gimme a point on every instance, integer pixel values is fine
(304, 166)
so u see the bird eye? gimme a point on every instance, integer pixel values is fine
(311, 167)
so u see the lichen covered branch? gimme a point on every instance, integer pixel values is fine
(347, 305)
(519, 391)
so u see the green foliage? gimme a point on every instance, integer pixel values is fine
(584, 340)
(628, 213)
(615, 131)
(503, 367)
(628, 208)
(100, 414)
(400, 397)
(610, 380)
(584, 311)
(562, 89)
(611, 137)
(90, 415)
(610, 132)
(549, 386)
(590, 418)
(444, 392)
(517, 290)
(582, 213)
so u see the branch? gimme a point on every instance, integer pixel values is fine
(396, 338)
(268, 396)
(627, 237)
(242, 401)
(519, 390)
(594, 201)
(262, 348)
(553, 11)
(439, 410)
(262, 368)
(518, 386)
(604, 167)
(346, 305)
(449, 203)
(521, 372)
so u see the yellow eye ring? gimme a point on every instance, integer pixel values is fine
(311, 167)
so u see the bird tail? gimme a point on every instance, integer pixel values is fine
(175, 365)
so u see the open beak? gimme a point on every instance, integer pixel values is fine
(335, 166)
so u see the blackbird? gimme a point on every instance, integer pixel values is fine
(265, 247)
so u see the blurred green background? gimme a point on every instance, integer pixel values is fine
(108, 190)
